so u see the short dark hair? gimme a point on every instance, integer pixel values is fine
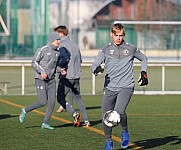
(117, 27)
(62, 29)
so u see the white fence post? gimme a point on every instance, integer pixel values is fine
(93, 84)
(162, 64)
(23, 79)
(163, 77)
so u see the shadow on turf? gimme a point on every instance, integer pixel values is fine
(94, 107)
(60, 126)
(152, 143)
(90, 108)
(93, 123)
(5, 116)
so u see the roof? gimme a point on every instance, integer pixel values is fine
(101, 7)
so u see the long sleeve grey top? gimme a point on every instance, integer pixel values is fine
(45, 60)
(119, 64)
(74, 65)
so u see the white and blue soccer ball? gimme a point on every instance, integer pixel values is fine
(112, 118)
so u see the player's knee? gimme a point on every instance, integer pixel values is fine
(42, 103)
(63, 103)
(60, 98)
(123, 115)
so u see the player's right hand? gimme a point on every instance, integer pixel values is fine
(63, 71)
(44, 76)
(98, 70)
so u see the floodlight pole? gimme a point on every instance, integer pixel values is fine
(177, 29)
(33, 17)
(8, 6)
(46, 17)
(78, 20)
(145, 34)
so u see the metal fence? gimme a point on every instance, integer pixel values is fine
(24, 26)
(164, 78)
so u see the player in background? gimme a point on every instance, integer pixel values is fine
(61, 70)
(70, 101)
(44, 64)
(118, 57)
(71, 80)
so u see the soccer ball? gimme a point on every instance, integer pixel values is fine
(112, 118)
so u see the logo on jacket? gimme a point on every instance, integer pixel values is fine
(126, 52)
(111, 51)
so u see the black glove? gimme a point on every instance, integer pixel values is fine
(143, 79)
(98, 70)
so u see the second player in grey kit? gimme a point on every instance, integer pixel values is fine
(71, 81)
(118, 57)
(44, 64)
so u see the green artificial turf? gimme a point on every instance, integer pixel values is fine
(154, 123)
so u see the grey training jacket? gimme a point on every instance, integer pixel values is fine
(74, 65)
(119, 64)
(44, 61)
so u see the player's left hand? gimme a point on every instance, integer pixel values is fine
(143, 80)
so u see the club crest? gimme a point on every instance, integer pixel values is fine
(126, 52)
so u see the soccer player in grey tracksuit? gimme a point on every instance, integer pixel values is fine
(118, 57)
(70, 81)
(44, 64)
